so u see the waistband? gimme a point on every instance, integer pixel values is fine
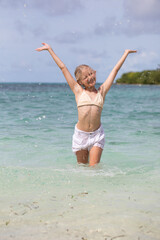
(94, 132)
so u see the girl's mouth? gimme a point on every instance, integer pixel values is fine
(91, 80)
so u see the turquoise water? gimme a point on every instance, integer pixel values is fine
(44, 194)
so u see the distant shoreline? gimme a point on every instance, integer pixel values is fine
(138, 84)
(147, 77)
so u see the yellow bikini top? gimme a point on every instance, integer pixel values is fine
(85, 99)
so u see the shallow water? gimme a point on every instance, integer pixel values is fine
(44, 194)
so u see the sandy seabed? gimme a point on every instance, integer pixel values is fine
(127, 215)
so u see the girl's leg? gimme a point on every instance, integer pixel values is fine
(82, 156)
(95, 155)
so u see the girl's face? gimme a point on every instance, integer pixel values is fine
(88, 77)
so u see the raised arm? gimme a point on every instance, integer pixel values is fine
(71, 82)
(109, 81)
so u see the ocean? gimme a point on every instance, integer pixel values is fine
(45, 194)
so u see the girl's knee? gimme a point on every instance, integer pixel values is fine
(95, 155)
(82, 156)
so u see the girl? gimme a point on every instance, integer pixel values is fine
(88, 139)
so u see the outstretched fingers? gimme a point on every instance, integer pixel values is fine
(130, 51)
(38, 49)
(45, 47)
(133, 51)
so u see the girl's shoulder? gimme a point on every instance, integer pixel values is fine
(100, 90)
(78, 92)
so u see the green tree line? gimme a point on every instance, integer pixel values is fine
(144, 77)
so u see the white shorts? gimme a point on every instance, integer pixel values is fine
(86, 140)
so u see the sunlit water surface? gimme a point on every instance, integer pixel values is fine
(44, 194)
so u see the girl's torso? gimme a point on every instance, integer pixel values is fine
(89, 110)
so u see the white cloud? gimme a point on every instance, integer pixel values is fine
(150, 58)
(58, 7)
(143, 16)
(51, 7)
(139, 17)
(69, 37)
(144, 9)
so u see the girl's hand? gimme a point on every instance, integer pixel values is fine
(45, 47)
(130, 51)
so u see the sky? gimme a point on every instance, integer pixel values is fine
(89, 32)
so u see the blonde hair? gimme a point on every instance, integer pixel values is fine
(78, 71)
